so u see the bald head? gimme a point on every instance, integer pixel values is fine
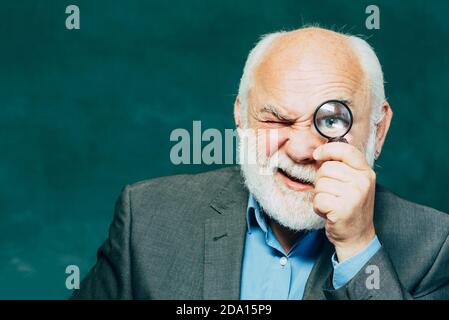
(296, 50)
(308, 62)
(309, 66)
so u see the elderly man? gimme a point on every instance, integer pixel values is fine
(311, 225)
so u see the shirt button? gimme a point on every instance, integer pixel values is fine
(283, 261)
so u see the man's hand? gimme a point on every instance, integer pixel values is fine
(344, 195)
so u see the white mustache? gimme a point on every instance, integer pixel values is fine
(297, 171)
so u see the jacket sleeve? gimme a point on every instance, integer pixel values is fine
(110, 278)
(378, 281)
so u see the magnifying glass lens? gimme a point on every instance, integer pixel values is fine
(333, 119)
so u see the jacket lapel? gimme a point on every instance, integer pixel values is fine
(224, 241)
(321, 271)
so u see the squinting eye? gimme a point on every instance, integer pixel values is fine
(274, 122)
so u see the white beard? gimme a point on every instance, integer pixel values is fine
(291, 209)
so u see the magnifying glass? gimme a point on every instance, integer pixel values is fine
(333, 120)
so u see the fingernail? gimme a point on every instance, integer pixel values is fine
(316, 154)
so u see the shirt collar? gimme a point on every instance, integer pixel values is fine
(254, 216)
(310, 240)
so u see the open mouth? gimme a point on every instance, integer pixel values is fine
(295, 183)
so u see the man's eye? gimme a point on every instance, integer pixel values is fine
(277, 122)
(332, 122)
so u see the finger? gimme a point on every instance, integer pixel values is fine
(330, 186)
(324, 204)
(341, 152)
(336, 170)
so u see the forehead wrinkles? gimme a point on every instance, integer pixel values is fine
(308, 62)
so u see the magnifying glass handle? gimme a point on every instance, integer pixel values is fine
(341, 139)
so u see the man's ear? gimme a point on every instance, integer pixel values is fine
(382, 127)
(237, 112)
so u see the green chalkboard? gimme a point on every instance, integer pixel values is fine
(84, 112)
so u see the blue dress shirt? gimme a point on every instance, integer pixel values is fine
(269, 273)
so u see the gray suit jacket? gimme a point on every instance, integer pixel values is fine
(182, 237)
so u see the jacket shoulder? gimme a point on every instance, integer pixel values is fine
(182, 186)
(419, 215)
(178, 194)
(415, 236)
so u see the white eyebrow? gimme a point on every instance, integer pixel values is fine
(273, 110)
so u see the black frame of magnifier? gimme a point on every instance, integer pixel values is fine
(333, 101)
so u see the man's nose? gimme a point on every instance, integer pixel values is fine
(301, 144)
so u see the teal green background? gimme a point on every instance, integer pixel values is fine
(84, 112)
